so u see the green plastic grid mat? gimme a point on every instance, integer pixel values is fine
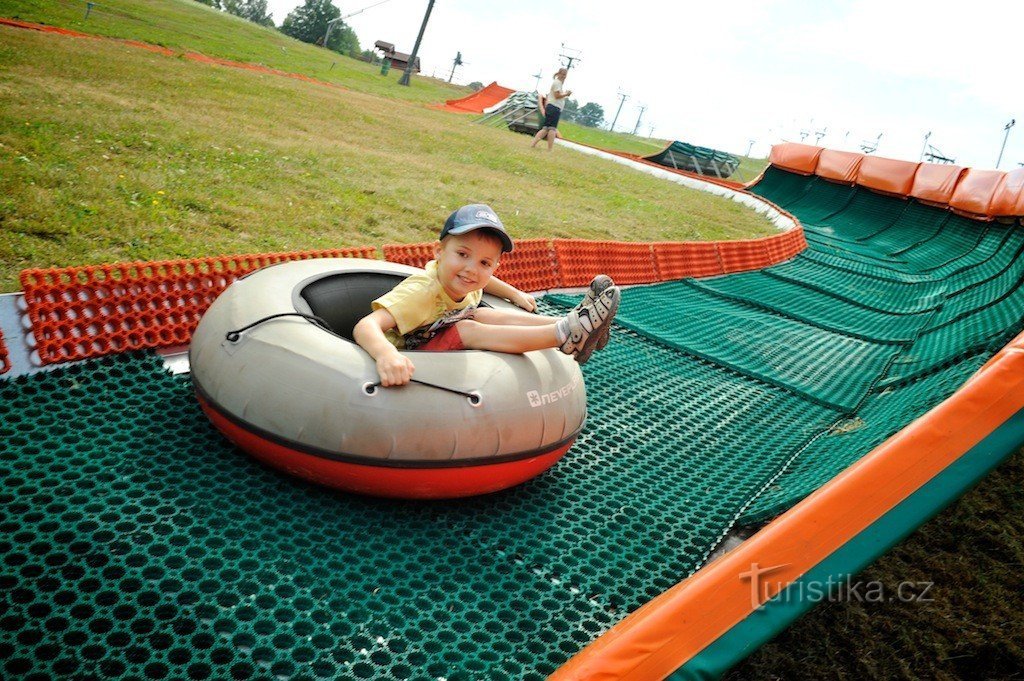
(137, 542)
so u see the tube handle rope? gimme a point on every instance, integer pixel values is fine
(368, 388)
(233, 336)
(474, 397)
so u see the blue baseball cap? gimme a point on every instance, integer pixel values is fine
(477, 216)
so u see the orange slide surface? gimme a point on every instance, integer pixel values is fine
(480, 100)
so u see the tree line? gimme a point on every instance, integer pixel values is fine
(307, 22)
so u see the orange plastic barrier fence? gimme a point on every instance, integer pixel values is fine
(5, 360)
(532, 266)
(743, 255)
(681, 259)
(580, 261)
(785, 246)
(81, 312)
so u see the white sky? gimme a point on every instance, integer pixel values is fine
(722, 74)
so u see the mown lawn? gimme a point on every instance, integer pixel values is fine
(187, 25)
(112, 153)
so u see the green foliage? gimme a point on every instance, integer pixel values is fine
(309, 23)
(571, 110)
(476, 85)
(251, 10)
(590, 115)
(210, 3)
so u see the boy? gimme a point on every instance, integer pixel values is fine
(437, 310)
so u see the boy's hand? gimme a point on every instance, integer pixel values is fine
(525, 301)
(394, 368)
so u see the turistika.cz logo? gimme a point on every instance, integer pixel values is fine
(834, 589)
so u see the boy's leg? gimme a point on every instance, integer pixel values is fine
(506, 338)
(551, 138)
(537, 138)
(490, 315)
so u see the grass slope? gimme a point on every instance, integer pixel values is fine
(187, 25)
(112, 153)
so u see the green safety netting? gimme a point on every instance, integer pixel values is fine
(136, 542)
(703, 160)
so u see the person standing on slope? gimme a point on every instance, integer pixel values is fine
(553, 109)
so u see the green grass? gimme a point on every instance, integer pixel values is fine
(114, 153)
(187, 25)
(615, 141)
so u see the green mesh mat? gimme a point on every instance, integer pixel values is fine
(137, 543)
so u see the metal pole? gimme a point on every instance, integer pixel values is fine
(925, 147)
(621, 102)
(330, 27)
(637, 126)
(404, 80)
(88, 8)
(749, 148)
(1009, 125)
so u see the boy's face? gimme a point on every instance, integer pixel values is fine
(465, 262)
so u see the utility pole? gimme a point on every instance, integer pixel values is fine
(643, 107)
(622, 101)
(538, 76)
(1013, 122)
(749, 148)
(457, 62)
(570, 55)
(404, 80)
(925, 147)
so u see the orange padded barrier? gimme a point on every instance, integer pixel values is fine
(5, 360)
(934, 183)
(796, 158)
(839, 166)
(579, 261)
(785, 246)
(478, 101)
(975, 191)
(887, 175)
(80, 312)
(682, 259)
(743, 254)
(1009, 196)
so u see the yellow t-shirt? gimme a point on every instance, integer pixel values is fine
(422, 308)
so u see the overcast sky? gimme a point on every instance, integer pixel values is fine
(723, 74)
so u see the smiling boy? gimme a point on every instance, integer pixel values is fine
(438, 309)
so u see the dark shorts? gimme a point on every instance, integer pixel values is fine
(445, 340)
(551, 115)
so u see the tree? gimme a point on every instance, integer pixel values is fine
(476, 85)
(308, 23)
(571, 110)
(252, 10)
(210, 3)
(590, 115)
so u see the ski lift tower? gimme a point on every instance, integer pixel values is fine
(569, 56)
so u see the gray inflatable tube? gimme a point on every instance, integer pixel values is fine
(306, 399)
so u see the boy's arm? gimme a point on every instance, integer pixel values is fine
(393, 367)
(496, 287)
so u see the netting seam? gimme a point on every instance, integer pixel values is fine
(938, 230)
(892, 224)
(839, 296)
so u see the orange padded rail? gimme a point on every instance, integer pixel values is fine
(934, 183)
(80, 312)
(797, 158)
(1009, 196)
(785, 246)
(5, 360)
(579, 261)
(839, 166)
(887, 175)
(682, 259)
(743, 254)
(975, 192)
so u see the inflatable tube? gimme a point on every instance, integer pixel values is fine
(306, 399)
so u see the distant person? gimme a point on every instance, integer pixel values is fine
(555, 102)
